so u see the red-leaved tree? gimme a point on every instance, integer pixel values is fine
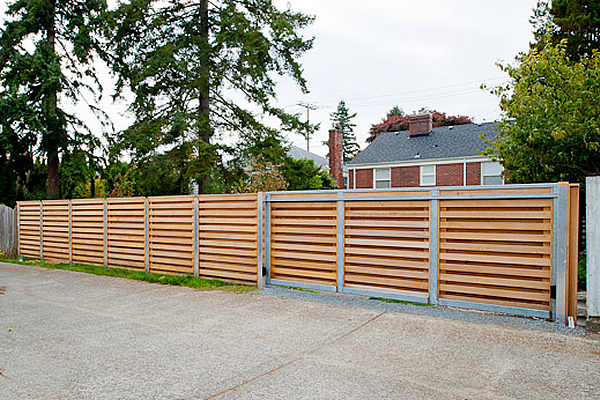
(400, 123)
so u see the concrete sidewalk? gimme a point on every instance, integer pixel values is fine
(66, 335)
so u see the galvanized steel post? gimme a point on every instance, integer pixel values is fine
(561, 253)
(340, 241)
(146, 241)
(259, 275)
(196, 255)
(105, 233)
(41, 231)
(70, 233)
(433, 247)
(267, 237)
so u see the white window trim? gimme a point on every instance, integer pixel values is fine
(388, 180)
(483, 175)
(421, 175)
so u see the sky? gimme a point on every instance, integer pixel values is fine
(414, 54)
(380, 53)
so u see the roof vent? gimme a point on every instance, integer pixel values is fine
(450, 127)
(418, 155)
(435, 145)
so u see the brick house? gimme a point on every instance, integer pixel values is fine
(426, 156)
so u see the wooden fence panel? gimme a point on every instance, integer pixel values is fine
(496, 252)
(29, 229)
(88, 231)
(126, 233)
(303, 242)
(171, 234)
(386, 246)
(228, 237)
(55, 230)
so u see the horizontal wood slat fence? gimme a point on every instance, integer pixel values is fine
(510, 249)
(209, 236)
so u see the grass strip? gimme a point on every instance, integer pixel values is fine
(173, 280)
(400, 302)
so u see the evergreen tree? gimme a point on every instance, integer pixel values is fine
(45, 56)
(183, 60)
(395, 112)
(343, 117)
(576, 21)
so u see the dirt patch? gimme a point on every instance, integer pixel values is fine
(2, 289)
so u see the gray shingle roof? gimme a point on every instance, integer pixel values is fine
(442, 142)
(297, 153)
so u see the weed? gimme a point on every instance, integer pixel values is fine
(301, 289)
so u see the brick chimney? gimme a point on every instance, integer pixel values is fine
(420, 124)
(336, 156)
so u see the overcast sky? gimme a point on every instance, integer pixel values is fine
(428, 53)
(380, 53)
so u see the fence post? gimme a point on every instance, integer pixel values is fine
(340, 242)
(105, 233)
(196, 255)
(146, 239)
(41, 231)
(267, 237)
(70, 233)
(560, 263)
(592, 243)
(259, 208)
(433, 246)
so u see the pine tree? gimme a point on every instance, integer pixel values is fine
(343, 117)
(395, 112)
(184, 60)
(45, 56)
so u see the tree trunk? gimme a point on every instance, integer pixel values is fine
(50, 105)
(206, 130)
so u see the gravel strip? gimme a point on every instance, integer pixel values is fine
(479, 317)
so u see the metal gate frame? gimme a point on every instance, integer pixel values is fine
(560, 192)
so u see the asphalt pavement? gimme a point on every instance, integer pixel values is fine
(68, 335)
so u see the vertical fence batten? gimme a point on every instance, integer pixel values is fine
(105, 233)
(41, 232)
(70, 233)
(146, 238)
(434, 248)
(196, 256)
(340, 241)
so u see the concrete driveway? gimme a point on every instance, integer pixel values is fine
(66, 335)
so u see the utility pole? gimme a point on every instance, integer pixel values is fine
(308, 107)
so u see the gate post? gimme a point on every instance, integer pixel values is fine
(18, 231)
(259, 241)
(433, 247)
(340, 241)
(267, 237)
(592, 239)
(560, 263)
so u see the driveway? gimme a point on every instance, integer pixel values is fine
(67, 335)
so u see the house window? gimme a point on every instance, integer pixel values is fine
(491, 174)
(428, 175)
(382, 178)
